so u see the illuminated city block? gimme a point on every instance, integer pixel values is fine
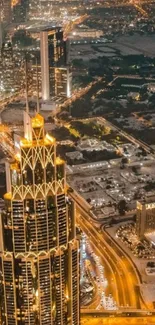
(53, 10)
(39, 259)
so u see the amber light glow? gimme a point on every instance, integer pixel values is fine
(14, 2)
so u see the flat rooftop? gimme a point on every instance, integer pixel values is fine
(104, 184)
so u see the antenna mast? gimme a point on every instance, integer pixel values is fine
(37, 84)
(26, 88)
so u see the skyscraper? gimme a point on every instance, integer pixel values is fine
(39, 260)
(19, 12)
(7, 62)
(145, 219)
(44, 66)
(62, 82)
(1, 32)
(5, 11)
(54, 63)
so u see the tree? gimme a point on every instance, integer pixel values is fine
(50, 119)
(124, 160)
(122, 207)
(134, 169)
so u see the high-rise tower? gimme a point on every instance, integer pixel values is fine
(20, 11)
(39, 260)
(7, 66)
(55, 74)
(1, 32)
(5, 11)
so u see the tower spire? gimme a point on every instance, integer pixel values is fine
(26, 88)
(37, 86)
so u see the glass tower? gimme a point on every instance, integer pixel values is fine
(55, 74)
(39, 259)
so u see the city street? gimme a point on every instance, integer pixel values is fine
(125, 277)
(126, 293)
(118, 321)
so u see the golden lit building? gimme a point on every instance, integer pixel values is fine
(39, 260)
(145, 219)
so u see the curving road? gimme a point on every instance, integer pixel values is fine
(126, 290)
(126, 278)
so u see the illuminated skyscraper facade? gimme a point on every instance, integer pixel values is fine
(20, 11)
(62, 82)
(1, 33)
(39, 260)
(7, 64)
(55, 73)
(5, 11)
(145, 218)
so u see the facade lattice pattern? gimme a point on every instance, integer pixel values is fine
(39, 259)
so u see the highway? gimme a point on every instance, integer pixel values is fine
(125, 277)
(95, 301)
(143, 320)
(127, 281)
(110, 274)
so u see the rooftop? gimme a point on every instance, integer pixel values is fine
(37, 121)
(151, 237)
(47, 140)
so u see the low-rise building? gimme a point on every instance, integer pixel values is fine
(74, 155)
(94, 145)
(85, 33)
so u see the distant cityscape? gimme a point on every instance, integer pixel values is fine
(77, 161)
